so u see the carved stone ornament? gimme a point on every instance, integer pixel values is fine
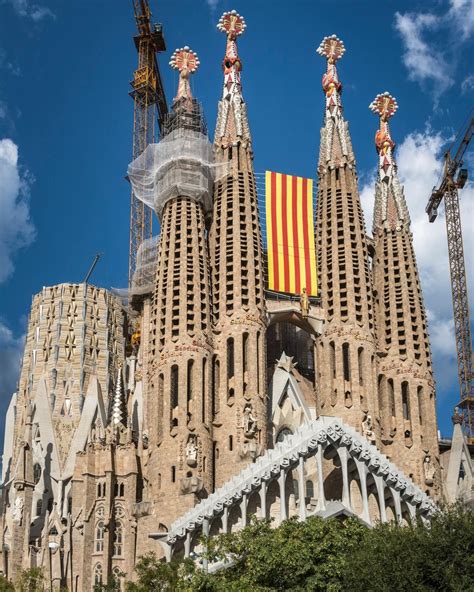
(249, 421)
(192, 451)
(190, 485)
(428, 469)
(17, 512)
(250, 450)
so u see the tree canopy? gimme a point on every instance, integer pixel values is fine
(328, 555)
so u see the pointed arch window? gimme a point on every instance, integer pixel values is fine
(118, 539)
(99, 537)
(98, 574)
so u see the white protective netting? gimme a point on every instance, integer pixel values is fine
(180, 165)
(147, 261)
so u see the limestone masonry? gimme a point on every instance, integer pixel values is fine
(209, 399)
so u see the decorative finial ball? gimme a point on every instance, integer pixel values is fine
(331, 48)
(185, 59)
(232, 24)
(384, 105)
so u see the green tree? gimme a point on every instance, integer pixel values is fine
(30, 580)
(5, 585)
(328, 555)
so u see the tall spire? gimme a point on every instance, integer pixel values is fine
(390, 207)
(186, 62)
(332, 48)
(232, 124)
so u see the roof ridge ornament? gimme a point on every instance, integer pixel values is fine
(186, 62)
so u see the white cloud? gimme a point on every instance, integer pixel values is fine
(467, 84)
(16, 228)
(11, 350)
(212, 4)
(424, 63)
(420, 163)
(432, 43)
(31, 10)
(461, 16)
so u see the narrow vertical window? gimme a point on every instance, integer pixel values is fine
(118, 539)
(258, 362)
(360, 358)
(99, 537)
(332, 359)
(230, 358)
(174, 387)
(346, 362)
(204, 390)
(245, 351)
(189, 381)
(405, 400)
(391, 397)
(420, 404)
(215, 385)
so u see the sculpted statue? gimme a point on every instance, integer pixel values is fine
(367, 428)
(17, 512)
(191, 451)
(428, 469)
(249, 421)
(304, 303)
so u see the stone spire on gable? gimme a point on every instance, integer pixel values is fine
(336, 146)
(232, 123)
(390, 211)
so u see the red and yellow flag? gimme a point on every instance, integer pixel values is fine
(290, 234)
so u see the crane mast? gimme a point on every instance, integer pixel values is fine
(149, 111)
(448, 189)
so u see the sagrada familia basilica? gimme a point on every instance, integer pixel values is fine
(210, 398)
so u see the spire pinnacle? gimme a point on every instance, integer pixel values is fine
(118, 415)
(385, 106)
(232, 124)
(332, 48)
(233, 25)
(186, 62)
(390, 207)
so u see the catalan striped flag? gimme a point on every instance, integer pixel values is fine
(290, 234)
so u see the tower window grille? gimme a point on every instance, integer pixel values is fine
(204, 390)
(190, 380)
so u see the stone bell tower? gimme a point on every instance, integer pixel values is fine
(346, 351)
(178, 404)
(239, 383)
(405, 380)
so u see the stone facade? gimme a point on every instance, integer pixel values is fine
(209, 399)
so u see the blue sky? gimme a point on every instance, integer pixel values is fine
(66, 121)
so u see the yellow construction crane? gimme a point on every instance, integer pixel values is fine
(454, 178)
(150, 109)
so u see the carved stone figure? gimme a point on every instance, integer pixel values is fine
(428, 469)
(249, 421)
(17, 513)
(191, 451)
(367, 428)
(304, 303)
